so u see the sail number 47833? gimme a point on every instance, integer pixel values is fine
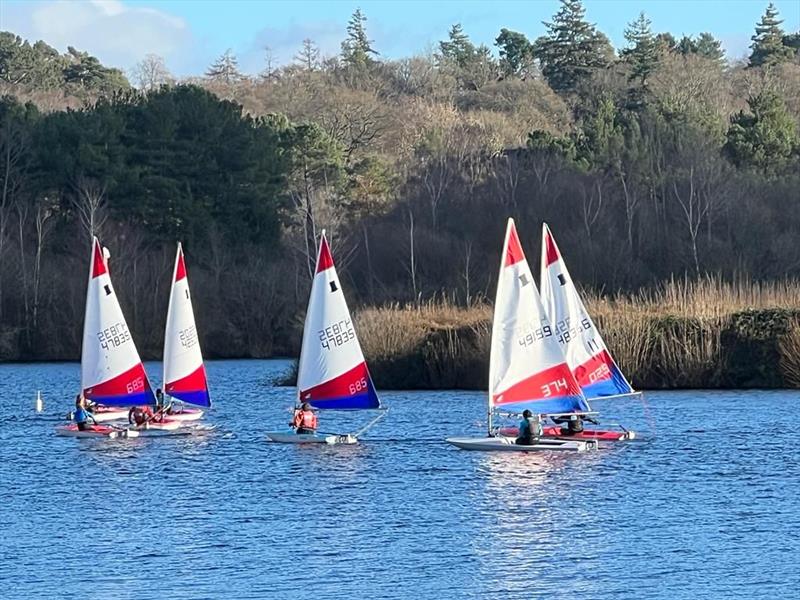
(336, 334)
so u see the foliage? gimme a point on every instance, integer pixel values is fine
(768, 42)
(571, 49)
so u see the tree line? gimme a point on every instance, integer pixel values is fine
(658, 160)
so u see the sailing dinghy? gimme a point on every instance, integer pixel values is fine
(527, 369)
(332, 373)
(112, 374)
(587, 355)
(184, 373)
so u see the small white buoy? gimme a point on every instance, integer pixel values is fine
(39, 403)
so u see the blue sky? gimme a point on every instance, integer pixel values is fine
(191, 33)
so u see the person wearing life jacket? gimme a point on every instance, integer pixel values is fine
(81, 415)
(305, 421)
(140, 415)
(574, 423)
(530, 429)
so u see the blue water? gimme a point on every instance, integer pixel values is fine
(704, 506)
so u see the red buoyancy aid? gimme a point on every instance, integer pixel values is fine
(305, 419)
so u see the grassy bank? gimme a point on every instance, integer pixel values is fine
(706, 334)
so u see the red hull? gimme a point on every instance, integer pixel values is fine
(587, 434)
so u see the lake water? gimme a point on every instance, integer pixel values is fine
(705, 505)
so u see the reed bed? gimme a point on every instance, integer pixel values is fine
(708, 333)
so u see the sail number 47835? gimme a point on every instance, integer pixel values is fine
(336, 334)
(113, 336)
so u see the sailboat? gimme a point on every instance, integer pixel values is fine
(597, 373)
(184, 372)
(332, 373)
(112, 374)
(527, 369)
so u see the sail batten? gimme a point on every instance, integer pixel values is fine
(184, 371)
(527, 368)
(332, 372)
(587, 355)
(111, 371)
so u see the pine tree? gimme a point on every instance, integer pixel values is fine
(458, 50)
(642, 53)
(768, 47)
(572, 48)
(357, 49)
(516, 52)
(709, 47)
(225, 69)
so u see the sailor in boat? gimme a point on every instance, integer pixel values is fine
(82, 416)
(305, 421)
(530, 429)
(162, 406)
(140, 415)
(574, 423)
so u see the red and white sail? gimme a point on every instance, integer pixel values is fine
(184, 372)
(111, 370)
(527, 368)
(332, 373)
(586, 352)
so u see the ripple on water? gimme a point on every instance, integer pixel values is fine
(705, 511)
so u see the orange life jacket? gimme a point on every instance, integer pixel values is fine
(305, 419)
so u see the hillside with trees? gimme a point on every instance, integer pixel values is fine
(659, 160)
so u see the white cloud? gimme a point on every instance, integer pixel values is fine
(117, 33)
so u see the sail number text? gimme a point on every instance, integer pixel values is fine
(188, 337)
(566, 332)
(535, 335)
(358, 386)
(554, 387)
(114, 336)
(337, 334)
(135, 385)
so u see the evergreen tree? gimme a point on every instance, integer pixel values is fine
(357, 49)
(768, 47)
(572, 48)
(766, 139)
(709, 47)
(516, 52)
(225, 69)
(642, 53)
(458, 49)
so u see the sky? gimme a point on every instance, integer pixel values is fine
(190, 34)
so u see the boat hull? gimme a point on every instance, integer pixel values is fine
(94, 431)
(186, 415)
(284, 437)
(160, 429)
(554, 432)
(507, 444)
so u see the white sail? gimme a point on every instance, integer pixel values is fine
(595, 370)
(332, 372)
(527, 368)
(111, 370)
(184, 372)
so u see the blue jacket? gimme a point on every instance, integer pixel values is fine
(81, 415)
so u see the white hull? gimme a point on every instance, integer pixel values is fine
(111, 415)
(506, 444)
(188, 414)
(283, 437)
(99, 432)
(167, 427)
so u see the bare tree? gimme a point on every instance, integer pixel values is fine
(308, 57)
(45, 210)
(89, 201)
(151, 73)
